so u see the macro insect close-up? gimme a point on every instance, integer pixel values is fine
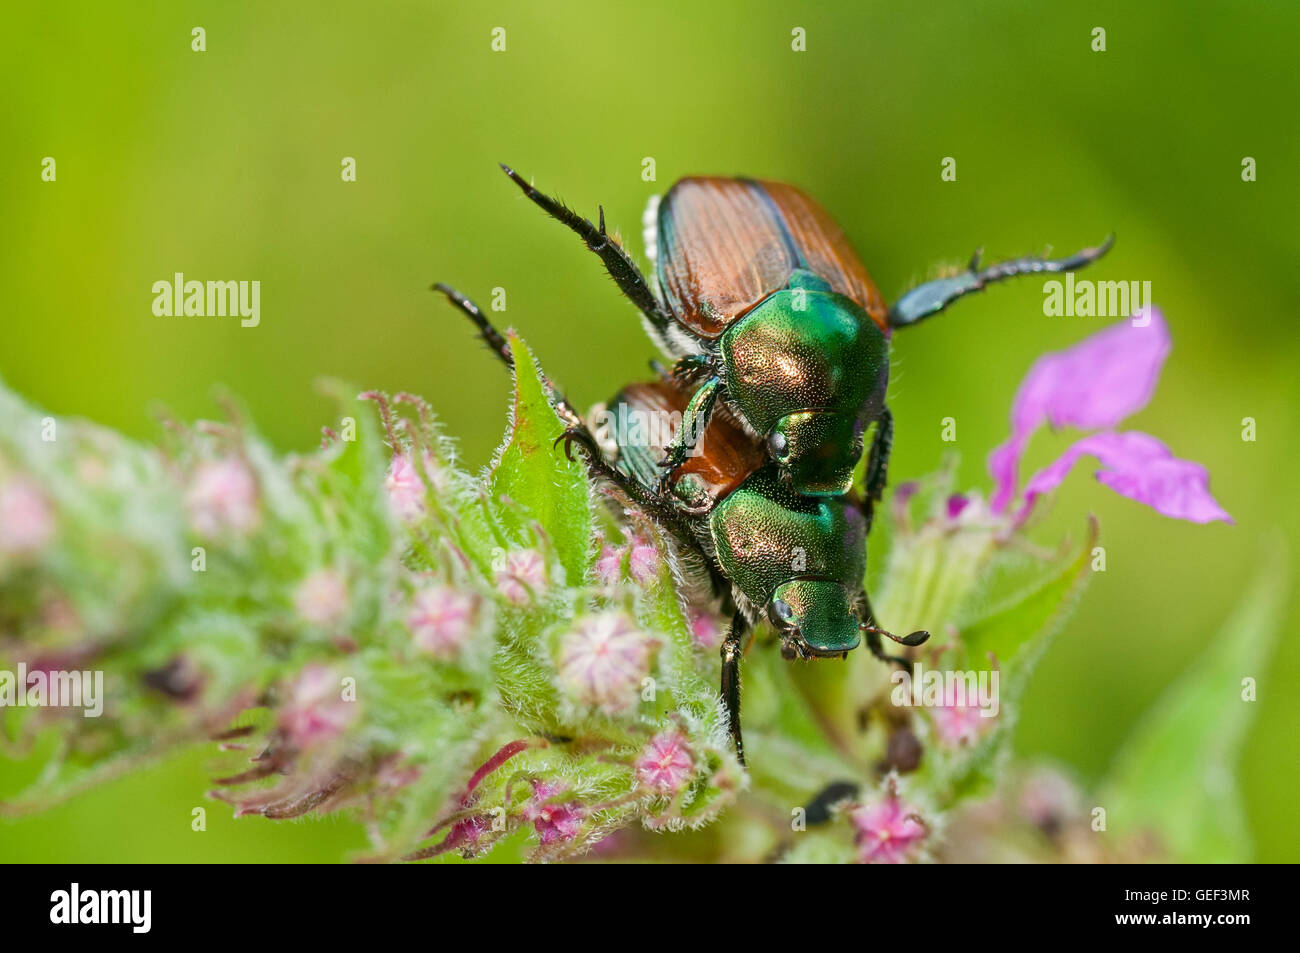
(763, 297)
(881, 453)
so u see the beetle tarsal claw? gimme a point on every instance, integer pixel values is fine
(572, 435)
(565, 439)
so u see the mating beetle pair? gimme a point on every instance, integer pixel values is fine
(767, 309)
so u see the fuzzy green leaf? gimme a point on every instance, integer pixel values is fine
(1016, 635)
(535, 479)
(1007, 630)
(1176, 774)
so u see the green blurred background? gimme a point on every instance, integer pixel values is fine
(226, 165)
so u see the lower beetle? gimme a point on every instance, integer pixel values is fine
(797, 561)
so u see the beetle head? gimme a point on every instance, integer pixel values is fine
(817, 451)
(815, 617)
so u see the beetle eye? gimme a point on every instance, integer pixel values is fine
(777, 443)
(782, 610)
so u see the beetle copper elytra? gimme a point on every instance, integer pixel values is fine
(766, 307)
(798, 561)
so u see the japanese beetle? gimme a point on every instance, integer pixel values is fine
(766, 307)
(797, 561)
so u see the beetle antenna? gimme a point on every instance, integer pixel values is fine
(929, 299)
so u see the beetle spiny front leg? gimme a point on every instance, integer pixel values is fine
(617, 262)
(497, 344)
(494, 339)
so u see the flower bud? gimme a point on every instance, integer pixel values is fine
(603, 660)
(440, 620)
(26, 523)
(665, 764)
(222, 497)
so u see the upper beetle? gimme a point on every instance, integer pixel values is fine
(767, 308)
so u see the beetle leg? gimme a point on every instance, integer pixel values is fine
(731, 679)
(933, 296)
(873, 633)
(818, 810)
(497, 344)
(667, 511)
(603, 469)
(617, 262)
(694, 419)
(576, 431)
(877, 466)
(493, 338)
(689, 369)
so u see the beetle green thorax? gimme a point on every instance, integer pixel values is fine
(767, 537)
(809, 365)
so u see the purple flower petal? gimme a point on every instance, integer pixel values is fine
(1095, 384)
(1138, 466)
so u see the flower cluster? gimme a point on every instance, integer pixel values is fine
(455, 657)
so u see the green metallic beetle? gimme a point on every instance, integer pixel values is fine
(797, 561)
(766, 307)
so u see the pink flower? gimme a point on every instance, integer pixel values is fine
(405, 488)
(955, 504)
(887, 831)
(466, 834)
(1138, 466)
(405, 484)
(705, 629)
(321, 598)
(26, 523)
(440, 620)
(957, 721)
(644, 562)
(1048, 799)
(610, 564)
(603, 660)
(1095, 385)
(665, 764)
(222, 496)
(91, 470)
(553, 822)
(316, 711)
(523, 577)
